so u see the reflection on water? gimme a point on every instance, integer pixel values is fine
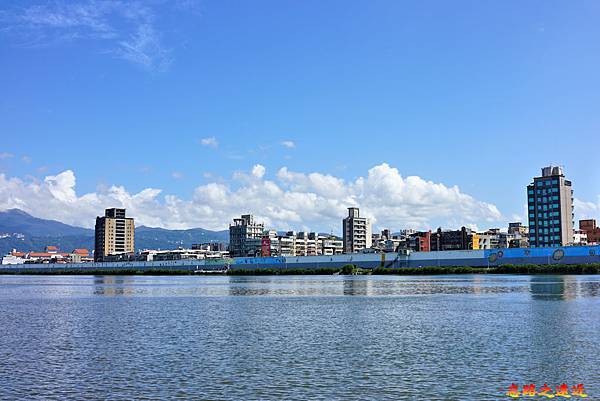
(357, 287)
(113, 285)
(541, 287)
(549, 288)
(295, 337)
(544, 287)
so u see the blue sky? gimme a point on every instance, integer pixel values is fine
(119, 96)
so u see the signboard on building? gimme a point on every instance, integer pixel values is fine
(265, 247)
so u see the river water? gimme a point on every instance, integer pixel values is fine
(296, 337)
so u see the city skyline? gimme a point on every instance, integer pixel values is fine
(218, 110)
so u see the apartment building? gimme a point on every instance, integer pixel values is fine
(356, 232)
(550, 209)
(114, 234)
(592, 231)
(245, 236)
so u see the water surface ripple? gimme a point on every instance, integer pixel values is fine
(295, 337)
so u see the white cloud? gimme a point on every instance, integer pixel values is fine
(177, 175)
(288, 144)
(62, 186)
(6, 155)
(127, 27)
(144, 48)
(292, 201)
(587, 210)
(258, 171)
(210, 141)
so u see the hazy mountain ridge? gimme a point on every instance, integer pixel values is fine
(19, 230)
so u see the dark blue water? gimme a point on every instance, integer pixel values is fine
(296, 338)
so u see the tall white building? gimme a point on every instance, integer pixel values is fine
(356, 231)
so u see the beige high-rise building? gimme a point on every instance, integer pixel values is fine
(115, 234)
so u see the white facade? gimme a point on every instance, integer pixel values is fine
(580, 238)
(12, 260)
(177, 254)
(304, 244)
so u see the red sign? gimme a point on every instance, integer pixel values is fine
(265, 247)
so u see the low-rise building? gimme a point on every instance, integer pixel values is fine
(520, 235)
(51, 254)
(287, 244)
(386, 241)
(181, 254)
(452, 240)
(418, 241)
(81, 255)
(211, 246)
(331, 245)
(14, 258)
(591, 230)
(580, 238)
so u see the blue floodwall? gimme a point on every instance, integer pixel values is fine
(476, 258)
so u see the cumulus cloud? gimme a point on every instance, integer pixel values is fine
(293, 200)
(210, 141)
(6, 155)
(128, 28)
(288, 144)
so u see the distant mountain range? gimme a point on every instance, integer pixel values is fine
(21, 231)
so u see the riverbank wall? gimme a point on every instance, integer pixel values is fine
(471, 258)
